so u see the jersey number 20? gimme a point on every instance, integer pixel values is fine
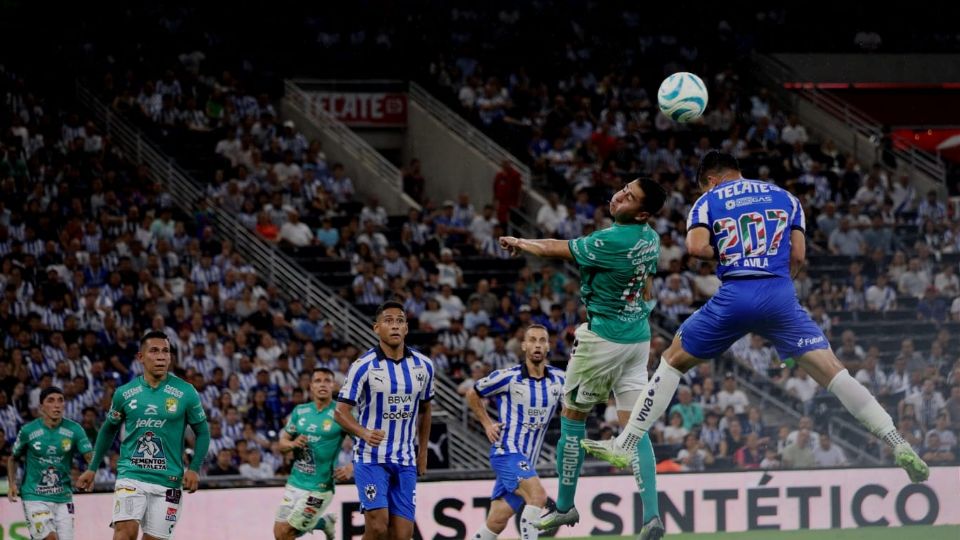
(746, 236)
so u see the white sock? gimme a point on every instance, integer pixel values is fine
(652, 404)
(530, 516)
(484, 534)
(861, 404)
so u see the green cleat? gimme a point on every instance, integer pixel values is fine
(554, 518)
(329, 526)
(608, 451)
(653, 530)
(907, 459)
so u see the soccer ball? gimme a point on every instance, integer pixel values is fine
(682, 96)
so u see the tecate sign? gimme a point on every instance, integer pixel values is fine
(365, 109)
(778, 500)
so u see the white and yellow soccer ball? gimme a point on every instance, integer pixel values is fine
(682, 97)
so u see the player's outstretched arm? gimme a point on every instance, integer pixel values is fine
(546, 247)
(108, 432)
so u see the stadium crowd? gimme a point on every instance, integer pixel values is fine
(93, 254)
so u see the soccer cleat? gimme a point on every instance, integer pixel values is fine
(906, 458)
(330, 526)
(608, 451)
(554, 518)
(653, 530)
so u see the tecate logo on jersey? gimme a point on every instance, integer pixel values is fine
(150, 423)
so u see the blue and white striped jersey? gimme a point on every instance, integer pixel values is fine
(387, 394)
(526, 406)
(750, 223)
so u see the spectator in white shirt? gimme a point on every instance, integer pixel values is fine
(915, 280)
(802, 387)
(705, 283)
(254, 468)
(881, 296)
(946, 281)
(551, 214)
(871, 376)
(376, 240)
(482, 225)
(450, 272)
(373, 212)
(481, 343)
(845, 240)
(827, 455)
(731, 396)
(296, 232)
(793, 132)
(450, 302)
(805, 424)
(669, 250)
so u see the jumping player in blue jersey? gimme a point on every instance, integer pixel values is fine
(757, 232)
(391, 385)
(527, 396)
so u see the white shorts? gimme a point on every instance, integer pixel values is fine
(598, 367)
(44, 518)
(155, 507)
(302, 509)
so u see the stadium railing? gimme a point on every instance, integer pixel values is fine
(272, 264)
(864, 129)
(478, 141)
(388, 177)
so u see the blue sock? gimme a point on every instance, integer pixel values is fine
(569, 460)
(645, 473)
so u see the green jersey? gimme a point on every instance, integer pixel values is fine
(614, 265)
(48, 453)
(313, 466)
(154, 422)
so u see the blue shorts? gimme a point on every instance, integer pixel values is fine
(510, 469)
(387, 485)
(765, 306)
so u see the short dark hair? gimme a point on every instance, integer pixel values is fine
(389, 304)
(153, 334)
(715, 161)
(535, 327)
(328, 371)
(653, 195)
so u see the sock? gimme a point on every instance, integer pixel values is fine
(864, 407)
(645, 473)
(321, 524)
(484, 534)
(530, 516)
(653, 402)
(569, 461)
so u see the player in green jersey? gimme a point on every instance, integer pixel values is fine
(611, 349)
(154, 410)
(314, 438)
(47, 446)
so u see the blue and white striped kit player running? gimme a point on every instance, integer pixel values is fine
(525, 406)
(387, 394)
(750, 222)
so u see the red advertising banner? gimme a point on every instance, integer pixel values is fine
(365, 109)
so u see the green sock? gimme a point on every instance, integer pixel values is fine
(569, 460)
(645, 473)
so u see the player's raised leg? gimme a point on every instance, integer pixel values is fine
(652, 403)
(826, 369)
